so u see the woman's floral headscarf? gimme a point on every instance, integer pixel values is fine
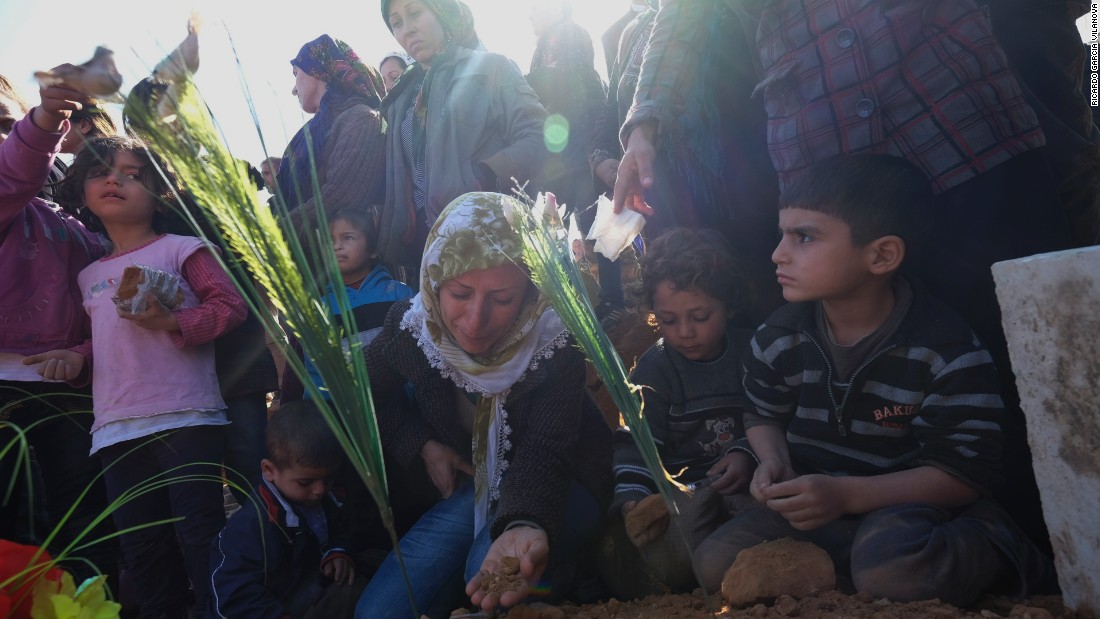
(474, 232)
(334, 62)
(347, 82)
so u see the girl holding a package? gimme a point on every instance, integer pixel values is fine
(156, 303)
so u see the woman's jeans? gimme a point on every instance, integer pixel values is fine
(441, 555)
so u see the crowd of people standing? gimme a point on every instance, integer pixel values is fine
(846, 383)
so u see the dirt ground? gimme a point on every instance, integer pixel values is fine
(828, 605)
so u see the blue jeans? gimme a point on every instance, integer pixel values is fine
(161, 559)
(441, 555)
(244, 445)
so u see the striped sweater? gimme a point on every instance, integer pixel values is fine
(694, 411)
(929, 396)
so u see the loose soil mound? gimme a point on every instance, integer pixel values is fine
(828, 605)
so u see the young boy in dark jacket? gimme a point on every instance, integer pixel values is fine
(283, 555)
(876, 414)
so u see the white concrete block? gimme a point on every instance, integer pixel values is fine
(1050, 307)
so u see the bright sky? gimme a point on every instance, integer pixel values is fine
(40, 35)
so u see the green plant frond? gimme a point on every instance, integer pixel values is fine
(279, 265)
(548, 256)
(22, 464)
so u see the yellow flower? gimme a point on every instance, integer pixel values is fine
(62, 600)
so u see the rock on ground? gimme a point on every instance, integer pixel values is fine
(784, 567)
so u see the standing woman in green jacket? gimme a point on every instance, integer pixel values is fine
(460, 119)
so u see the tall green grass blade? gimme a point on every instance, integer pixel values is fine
(548, 255)
(282, 266)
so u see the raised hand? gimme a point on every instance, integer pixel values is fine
(58, 104)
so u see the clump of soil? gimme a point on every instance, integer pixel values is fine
(773, 569)
(536, 611)
(506, 578)
(826, 605)
(648, 511)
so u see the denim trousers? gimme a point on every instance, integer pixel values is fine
(903, 552)
(55, 420)
(163, 559)
(441, 554)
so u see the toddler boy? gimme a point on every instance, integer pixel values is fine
(282, 555)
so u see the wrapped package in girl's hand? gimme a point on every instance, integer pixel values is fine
(138, 280)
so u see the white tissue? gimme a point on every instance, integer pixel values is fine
(613, 233)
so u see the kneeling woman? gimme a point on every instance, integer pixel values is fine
(502, 420)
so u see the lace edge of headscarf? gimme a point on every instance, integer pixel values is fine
(413, 322)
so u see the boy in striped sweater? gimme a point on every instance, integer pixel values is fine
(876, 416)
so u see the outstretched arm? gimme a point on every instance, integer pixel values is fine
(634, 176)
(669, 71)
(28, 152)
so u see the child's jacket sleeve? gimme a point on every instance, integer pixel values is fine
(25, 159)
(633, 480)
(221, 308)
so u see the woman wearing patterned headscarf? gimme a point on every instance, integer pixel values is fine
(502, 420)
(342, 147)
(460, 119)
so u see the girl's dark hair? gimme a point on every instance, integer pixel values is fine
(100, 153)
(359, 219)
(297, 435)
(687, 258)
